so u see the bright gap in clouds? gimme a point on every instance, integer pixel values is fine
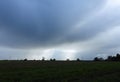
(59, 54)
(113, 3)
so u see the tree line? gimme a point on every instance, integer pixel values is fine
(109, 58)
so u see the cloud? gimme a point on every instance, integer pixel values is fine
(8, 53)
(42, 23)
(52, 28)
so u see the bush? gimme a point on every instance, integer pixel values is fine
(98, 59)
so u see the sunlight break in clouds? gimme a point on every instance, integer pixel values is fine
(113, 3)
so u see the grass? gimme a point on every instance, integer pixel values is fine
(59, 71)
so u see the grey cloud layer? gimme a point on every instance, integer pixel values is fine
(90, 27)
(37, 23)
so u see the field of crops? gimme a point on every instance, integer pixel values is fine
(59, 71)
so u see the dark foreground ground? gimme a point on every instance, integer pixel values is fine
(56, 71)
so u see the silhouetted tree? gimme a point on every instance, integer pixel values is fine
(114, 58)
(25, 59)
(98, 59)
(54, 59)
(68, 60)
(43, 58)
(117, 57)
(109, 58)
(78, 59)
(51, 59)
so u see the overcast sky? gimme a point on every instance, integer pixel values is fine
(59, 29)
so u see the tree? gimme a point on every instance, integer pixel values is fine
(43, 58)
(117, 57)
(51, 59)
(25, 59)
(98, 59)
(78, 59)
(68, 60)
(54, 59)
(109, 58)
(114, 58)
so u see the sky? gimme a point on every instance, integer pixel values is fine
(59, 29)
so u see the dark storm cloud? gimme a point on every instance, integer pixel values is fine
(38, 23)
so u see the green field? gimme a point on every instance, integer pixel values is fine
(56, 71)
